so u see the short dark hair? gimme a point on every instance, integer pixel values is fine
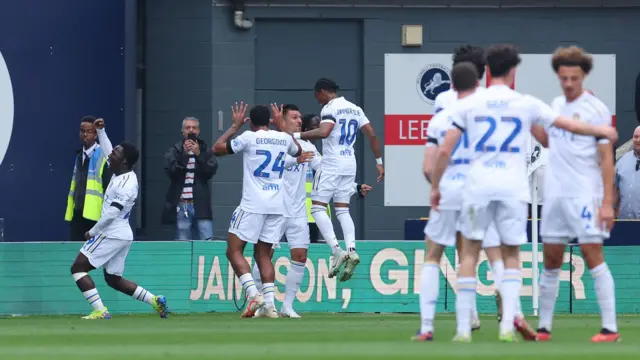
(306, 121)
(289, 107)
(131, 153)
(464, 76)
(472, 54)
(572, 56)
(260, 115)
(502, 58)
(88, 119)
(326, 84)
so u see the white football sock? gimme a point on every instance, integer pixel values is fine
(94, 299)
(143, 295)
(269, 294)
(606, 294)
(429, 289)
(510, 292)
(325, 226)
(292, 284)
(497, 270)
(348, 228)
(257, 280)
(549, 285)
(465, 296)
(248, 285)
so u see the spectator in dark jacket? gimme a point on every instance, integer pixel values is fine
(190, 164)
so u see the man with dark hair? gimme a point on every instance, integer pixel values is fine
(259, 219)
(189, 164)
(108, 242)
(466, 53)
(340, 121)
(497, 187)
(90, 179)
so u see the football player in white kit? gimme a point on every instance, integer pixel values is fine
(258, 219)
(580, 194)
(109, 241)
(295, 228)
(491, 243)
(340, 121)
(496, 188)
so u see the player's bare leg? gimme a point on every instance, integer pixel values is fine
(349, 231)
(139, 293)
(80, 272)
(429, 290)
(475, 319)
(605, 291)
(263, 253)
(549, 285)
(319, 213)
(235, 255)
(466, 288)
(293, 281)
(256, 271)
(510, 291)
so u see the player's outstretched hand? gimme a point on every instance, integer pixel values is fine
(238, 112)
(380, 172)
(435, 199)
(605, 217)
(306, 156)
(364, 189)
(277, 117)
(99, 124)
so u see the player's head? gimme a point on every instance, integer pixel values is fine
(325, 90)
(260, 116)
(464, 77)
(292, 117)
(572, 65)
(472, 54)
(310, 122)
(88, 132)
(503, 60)
(123, 157)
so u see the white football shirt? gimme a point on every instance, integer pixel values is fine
(339, 156)
(122, 189)
(295, 179)
(445, 99)
(263, 158)
(574, 169)
(454, 176)
(498, 122)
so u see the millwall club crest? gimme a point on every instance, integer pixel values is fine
(433, 80)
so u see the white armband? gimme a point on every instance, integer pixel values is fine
(379, 161)
(296, 136)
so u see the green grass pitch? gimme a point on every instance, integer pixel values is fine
(316, 336)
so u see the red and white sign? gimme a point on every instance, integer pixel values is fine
(412, 81)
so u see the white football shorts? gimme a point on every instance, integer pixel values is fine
(106, 253)
(564, 219)
(251, 228)
(509, 217)
(442, 227)
(337, 187)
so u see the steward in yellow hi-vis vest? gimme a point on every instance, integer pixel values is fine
(90, 179)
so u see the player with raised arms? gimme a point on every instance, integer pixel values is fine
(296, 228)
(340, 121)
(579, 195)
(258, 220)
(109, 240)
(496, 189)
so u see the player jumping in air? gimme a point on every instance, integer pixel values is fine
(109, 241)
(579, 194)
(340, 121)
(258, 220)
(491, 243)
(296, 228)
(496, 189)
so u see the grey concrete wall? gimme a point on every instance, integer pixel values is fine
(231, 71)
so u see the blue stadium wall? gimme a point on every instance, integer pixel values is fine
(198, 63)
(65, 60)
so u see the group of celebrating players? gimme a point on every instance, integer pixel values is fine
(475, 160)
